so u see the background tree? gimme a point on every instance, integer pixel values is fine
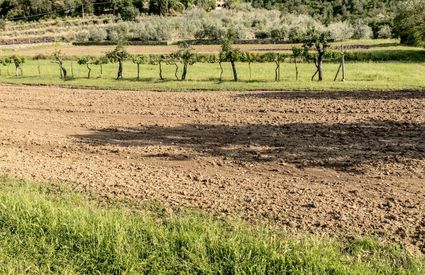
(58, 58)
(319, 40)
(165, 7)
(410, 22)
(88, 61)
(138, 60)
(118, 55)
(126, 10)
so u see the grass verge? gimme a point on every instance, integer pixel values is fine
(46, 229)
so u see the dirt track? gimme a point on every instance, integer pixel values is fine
(344, 162)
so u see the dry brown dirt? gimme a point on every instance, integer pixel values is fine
(350, 163)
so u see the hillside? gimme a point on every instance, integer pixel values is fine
(193, 24)
(326, 10)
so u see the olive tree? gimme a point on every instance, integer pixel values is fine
(229, 54)
(88, 61)
(100, 61)
(187, 57)
(158, 60)
(17, 61)
(277, 58)
(118, 55)
(58, 58)
(319, 40)
(298, 54)
(138, 60)
(173, 59)
(248, 58)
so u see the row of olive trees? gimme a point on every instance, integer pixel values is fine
(315, 40)
(185, 57)
(247, 24)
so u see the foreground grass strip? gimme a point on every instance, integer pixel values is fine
(45, 230)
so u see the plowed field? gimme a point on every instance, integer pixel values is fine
(349, 163)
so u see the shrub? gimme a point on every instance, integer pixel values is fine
(153, 30)
(281, 33)
(117, 32)
(362, 31)
(2, 24)
(211, 29)
(262, 35)
(237, 31)
(82, 36)
(206, 5)
(97, 34)
(341, 31)
(299, 25)
(40, 56)
(385, 32)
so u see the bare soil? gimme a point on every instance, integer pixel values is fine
(350, 163)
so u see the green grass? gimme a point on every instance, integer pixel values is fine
(48, 229)
(359, 76)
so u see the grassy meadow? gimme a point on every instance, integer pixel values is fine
(371, 65)
(359, 76)
(45, 228)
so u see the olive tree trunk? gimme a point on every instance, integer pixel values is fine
(89, 72)
(221, 71)
(184, 73)
(120, 69)
(176, 71)
(320, 66)
(296, 69)
(160, 71)
(64, 72)
(235, 73)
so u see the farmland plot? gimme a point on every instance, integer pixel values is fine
(342, 162)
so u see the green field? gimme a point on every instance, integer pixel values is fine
(359, 76)
(47, 229)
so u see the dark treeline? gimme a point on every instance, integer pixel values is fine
(326, 10)
(37, 9)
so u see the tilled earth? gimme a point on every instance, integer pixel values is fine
(347, 163)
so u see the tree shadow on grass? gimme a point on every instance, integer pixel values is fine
(150, 79)
(380, 45)
(344, 147)
(352, 95)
